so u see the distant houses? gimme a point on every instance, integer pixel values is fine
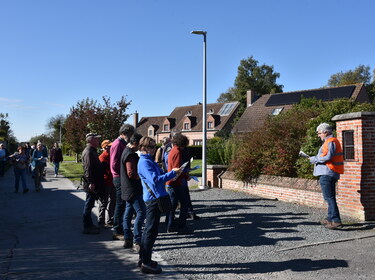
(220, 116)
(258, 110)
(188, 120)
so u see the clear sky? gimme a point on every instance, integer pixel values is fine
(54, 53)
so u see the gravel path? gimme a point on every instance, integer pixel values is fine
(245, 237)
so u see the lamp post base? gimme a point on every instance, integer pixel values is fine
(201, 187)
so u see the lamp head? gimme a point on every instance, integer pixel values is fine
(199, 32)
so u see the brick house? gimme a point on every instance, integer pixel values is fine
(188, 120)
(258, 110)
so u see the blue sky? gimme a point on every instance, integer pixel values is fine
(55, 53)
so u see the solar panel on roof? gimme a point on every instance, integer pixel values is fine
(321, 94)
(226, 109)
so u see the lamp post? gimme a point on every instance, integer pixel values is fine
(204, 117)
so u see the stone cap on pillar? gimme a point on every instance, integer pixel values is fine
(351, 116)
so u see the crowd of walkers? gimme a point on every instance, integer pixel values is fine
(29, 161)
(128, 179)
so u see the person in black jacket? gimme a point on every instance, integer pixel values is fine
(93, 175)
(131, 192)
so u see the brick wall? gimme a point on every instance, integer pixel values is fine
(355, 189)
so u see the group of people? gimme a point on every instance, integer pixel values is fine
(30, 160)
(128, 181)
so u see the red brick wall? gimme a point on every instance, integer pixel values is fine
(355, 189)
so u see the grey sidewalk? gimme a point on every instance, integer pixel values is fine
(40, 237)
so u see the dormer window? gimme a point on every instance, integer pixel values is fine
(210, 125)
(186, 126)
(166, 127)
(150, 132)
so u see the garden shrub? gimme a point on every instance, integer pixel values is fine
(273, 149)
(221, 150)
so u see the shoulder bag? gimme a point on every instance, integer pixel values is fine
(164, 202)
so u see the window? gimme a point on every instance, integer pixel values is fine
(210, 125)
(227, 109)
(186, 126)
(197, 142)
(276, 111)
(166, 127)
(150, 132)
(348, 144)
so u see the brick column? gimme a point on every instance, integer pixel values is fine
(212, 172)
(356, 187)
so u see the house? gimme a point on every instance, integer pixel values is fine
(258, 110)
(188, 120)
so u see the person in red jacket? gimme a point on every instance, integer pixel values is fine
(109, 195)
(176, 189)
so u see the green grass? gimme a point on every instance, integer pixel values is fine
(197, 172)
(71, 170)
(69, 158)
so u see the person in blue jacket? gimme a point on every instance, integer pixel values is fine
(152, 176)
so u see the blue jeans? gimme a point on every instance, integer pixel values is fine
(177, 194)
(150, 232)
(89, 204)
(328, 185)
(57, 166)
(136, 204)
(119, 209)
(20, 173)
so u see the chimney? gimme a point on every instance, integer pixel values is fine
(250, 97)
(135, 118)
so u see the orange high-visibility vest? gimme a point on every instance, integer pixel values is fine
(336, 163)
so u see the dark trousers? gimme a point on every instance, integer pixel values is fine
(107, 203)
(2, 167)
(150, 231)
(328, 185)
(119, 209)
(39, 169)
(178, 194)
(89, 204)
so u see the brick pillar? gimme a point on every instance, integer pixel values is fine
(212, 172)
(356, 187)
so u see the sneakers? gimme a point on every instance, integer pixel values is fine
(333, 225)
(136, 247)
(153, 263)
(128, 244)
(55, 175)
(150, 269)
(91, 230)
(116, 236)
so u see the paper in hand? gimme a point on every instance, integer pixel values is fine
(194, 178)
(195, 168)
(302, 154)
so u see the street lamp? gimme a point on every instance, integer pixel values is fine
(204, 118)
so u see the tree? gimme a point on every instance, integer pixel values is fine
(55, 126)
(90, 116)
(251, 76)
(361, 74)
